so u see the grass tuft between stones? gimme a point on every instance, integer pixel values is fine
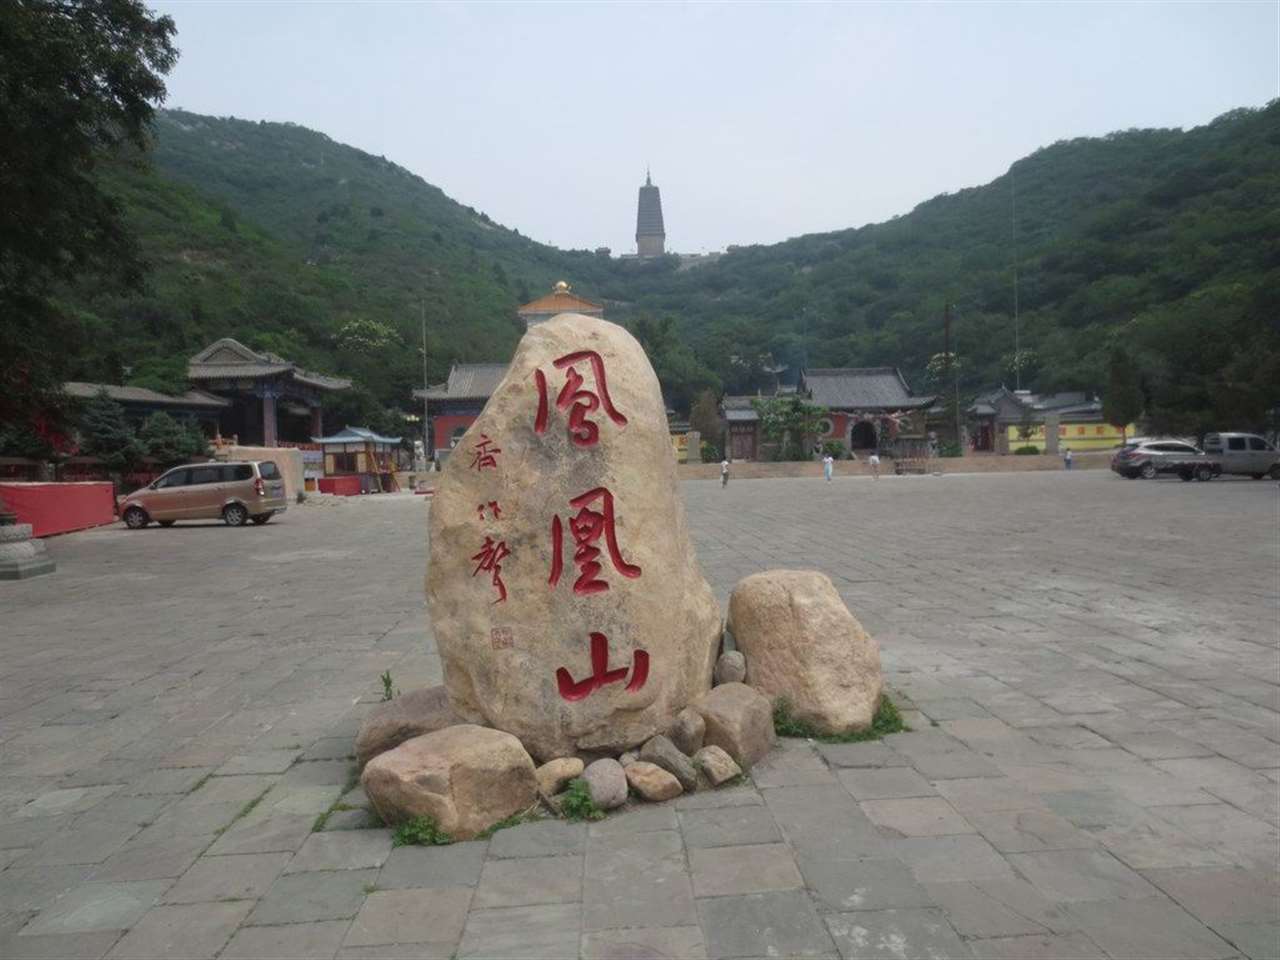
(887, 720)
(576, 802)
(420, 832)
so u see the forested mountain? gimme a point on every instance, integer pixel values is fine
(1166, 242)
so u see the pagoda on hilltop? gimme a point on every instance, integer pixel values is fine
(650, 236)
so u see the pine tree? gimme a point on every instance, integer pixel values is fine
(1123, 401)
(107, 435)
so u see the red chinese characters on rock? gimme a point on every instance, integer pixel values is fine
(577, 399)
(573, 690)
(483, 455)
(587, 526)
(491, 508)
(489, 560)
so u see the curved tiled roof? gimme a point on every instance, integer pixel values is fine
(467, 381)
(192, 398)
(861, 388)
(229, 359)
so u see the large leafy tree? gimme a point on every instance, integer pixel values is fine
(1122, 403)
(79, 82)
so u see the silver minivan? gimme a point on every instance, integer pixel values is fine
(1244, 453)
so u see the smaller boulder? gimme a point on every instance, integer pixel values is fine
(607, 783)
(664, 753)
(409, 715)
(739, 721)
(687, 731)
(716, 765)
(652, 782)
(628, 758)
(466, 778)
(731, 668)
(554, 775)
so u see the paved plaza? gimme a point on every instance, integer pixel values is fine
(1091, 668)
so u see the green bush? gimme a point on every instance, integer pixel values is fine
(835, 448)
(710, 452)
(950, 450)
(421, 832)
(887, 720)
(1027, 451)
(576, 804)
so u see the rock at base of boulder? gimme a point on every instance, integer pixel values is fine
(739, 721)
(466, 778)
(802, 643)
(687, 732)
(661, 751)
(554, 775)
(731, 668)
(409, 715)
(716, 765)
(607, 783)
(652, 782)
(628, 758)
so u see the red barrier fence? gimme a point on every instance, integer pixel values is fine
(342, 486)
(60, 507)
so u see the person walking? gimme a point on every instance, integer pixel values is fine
(828, 463)
(724, 472)
(874, 461)
(1066, 457)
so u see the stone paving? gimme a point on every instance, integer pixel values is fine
(1090, 667)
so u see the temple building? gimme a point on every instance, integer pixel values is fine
(271, 400)
(651, 237)
(561, 299)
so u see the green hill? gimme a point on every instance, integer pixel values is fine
(1165, 241)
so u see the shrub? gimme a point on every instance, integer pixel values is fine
(835, 448)
(421, 832)
(950, 450)
(1027, 451)
(576, 804)
(886, 720)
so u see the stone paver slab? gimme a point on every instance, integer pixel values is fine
(410, 916)
(1021, 831)
(1074, 875)
(886, 783)
(345, 850)
(1070, 946)
(941, 859)
(299, 897)
(63, 946)
(98, 906)
(455, 865)
(917, 817)
(153, 860)
(548, 932)
(839, 886)
(545, 838)
(1218, 896)
(527, 881)
(722, 871)
(1257, 941)
(636, 881)
(780, 924)
(728, 826)
(288, 942)
(792, 763)
(868, 754)
(645, 943)
(1153, 928)
(987, 794)
(895, 934)
(243, 877)
(195, 930)
(272, 835)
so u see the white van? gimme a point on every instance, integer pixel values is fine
(1244, 453)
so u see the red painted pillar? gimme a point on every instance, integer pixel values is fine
(317, 422)
(269, 420)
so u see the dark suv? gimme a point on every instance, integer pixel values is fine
(1150, 458)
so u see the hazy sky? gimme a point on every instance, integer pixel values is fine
(760, 121)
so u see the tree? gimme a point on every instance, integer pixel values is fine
(1122, 403)
(79, 82)
(107, 435)
(790, 421)
(704, 416)
(169, 441)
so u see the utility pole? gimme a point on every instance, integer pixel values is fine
(426, 426)
(953, 369)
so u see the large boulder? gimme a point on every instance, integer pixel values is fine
(409, 715)
(739, 721)
(565, 597)
(802, 643)
(465, 777)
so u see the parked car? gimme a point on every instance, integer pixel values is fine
(1150, 458)
(1244, 453)
(238, 492)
